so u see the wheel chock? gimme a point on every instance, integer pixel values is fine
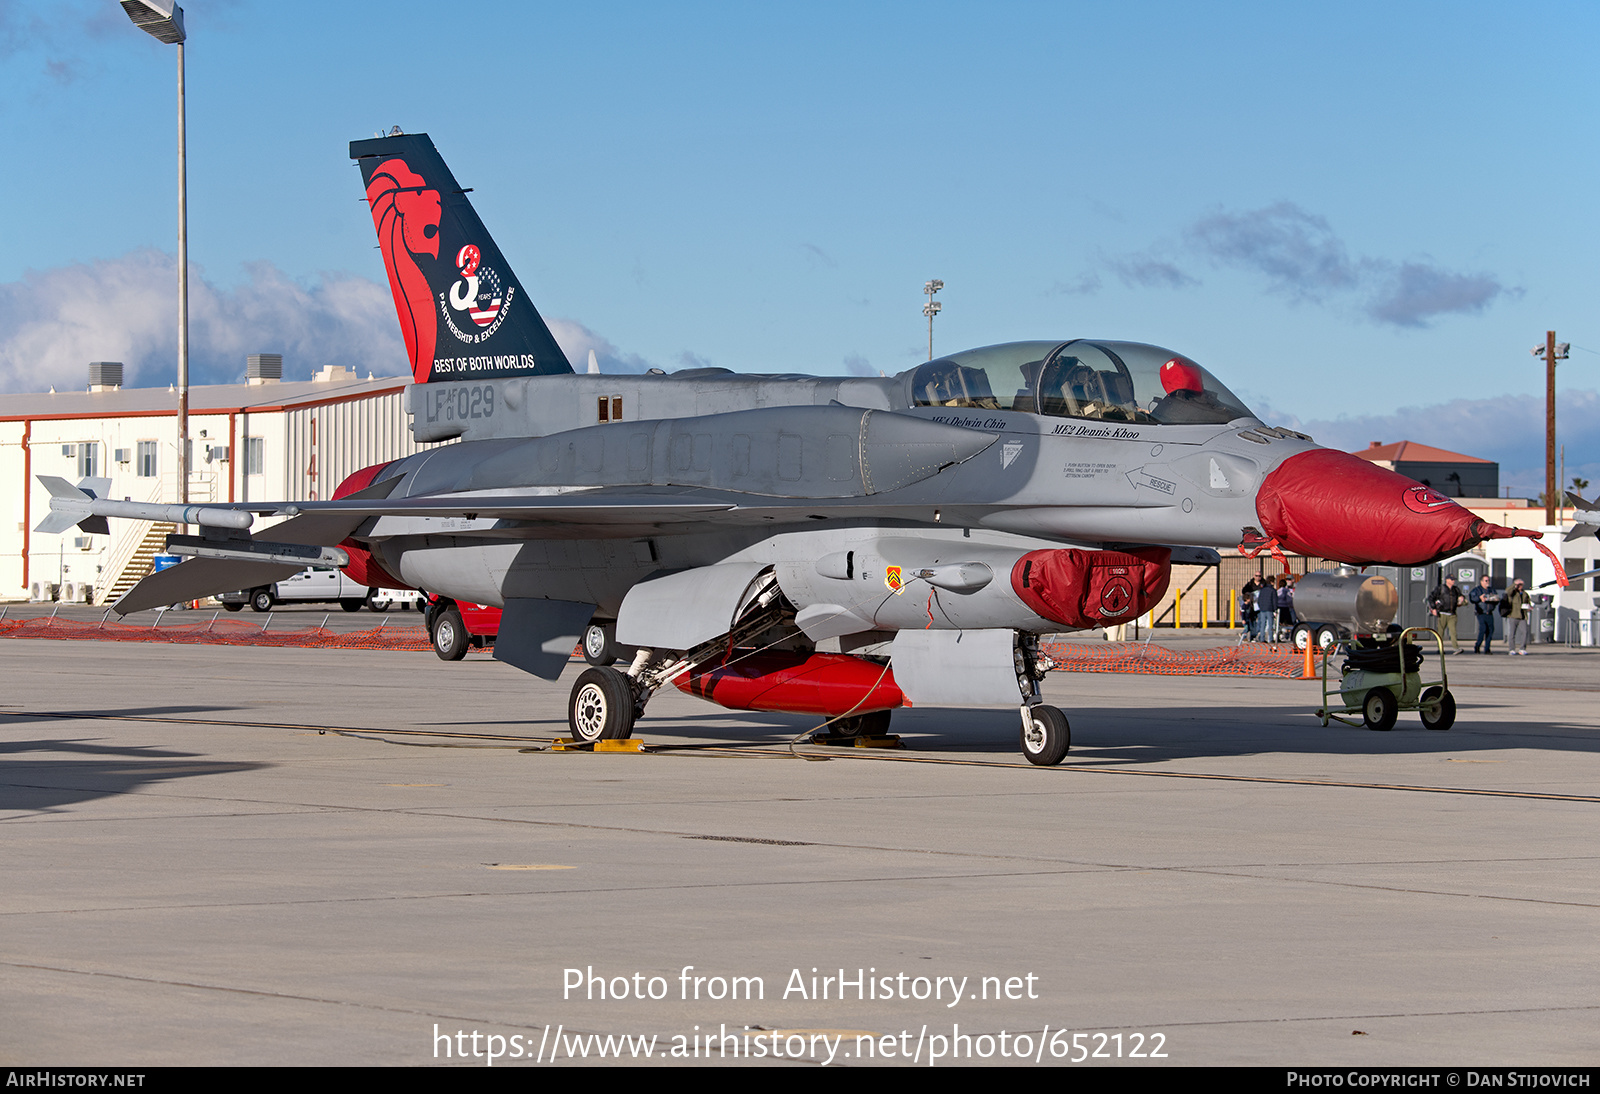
(891, 740)
(572, 744)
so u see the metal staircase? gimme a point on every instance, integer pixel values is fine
(139, 562)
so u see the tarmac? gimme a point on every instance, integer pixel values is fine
(219, 855)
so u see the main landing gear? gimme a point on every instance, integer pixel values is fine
(602, 706)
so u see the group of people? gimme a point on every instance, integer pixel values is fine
(1268, 608)
(1487, 602)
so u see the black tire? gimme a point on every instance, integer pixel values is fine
(1327, 635)
(1380, 709)
(1301, 637)
(351, 605)
(233, 607)
(449, 635)
(601, 706)
(1446, 714)
(600, 644)
(261, 600)
(375, 604)
(1048, 738)
(872, 724)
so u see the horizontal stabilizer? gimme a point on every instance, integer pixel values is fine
(198, 578)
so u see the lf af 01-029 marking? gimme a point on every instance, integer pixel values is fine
(743, 533)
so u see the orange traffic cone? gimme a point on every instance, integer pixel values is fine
(1310, 672)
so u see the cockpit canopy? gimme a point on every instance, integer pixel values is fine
(1104, 381)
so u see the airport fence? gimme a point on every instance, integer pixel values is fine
(1123, 657)
(217, 632)
(1147, 657)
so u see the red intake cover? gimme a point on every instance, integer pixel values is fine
(795, 683)
(1334, 505)
(1092, 588)
(363, 569)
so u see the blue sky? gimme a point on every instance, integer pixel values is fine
(1361, 217)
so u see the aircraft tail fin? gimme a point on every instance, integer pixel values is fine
(462, 311)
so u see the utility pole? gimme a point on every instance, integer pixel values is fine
(1552, 351)
(931, 309)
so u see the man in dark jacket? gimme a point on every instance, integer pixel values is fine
(1442, 607)
(1485, 602)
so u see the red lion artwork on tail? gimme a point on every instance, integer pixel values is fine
(407, 218)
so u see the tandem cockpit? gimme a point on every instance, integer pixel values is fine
(1101, 381)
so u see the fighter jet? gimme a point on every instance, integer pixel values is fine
(833, 546)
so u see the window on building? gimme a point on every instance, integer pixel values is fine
(145, 467)
(255, 455)
(89, 460)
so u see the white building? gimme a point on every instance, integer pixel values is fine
(265, 440)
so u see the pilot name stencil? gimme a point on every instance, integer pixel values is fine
(1115, 433)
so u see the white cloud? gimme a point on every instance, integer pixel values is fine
(54, 322)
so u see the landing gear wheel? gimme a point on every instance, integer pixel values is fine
(1301, 637)
(234, 607)
(599, 644)
(261, 600)
(351, 605)
(1047, 737)
(449, 635)
(374, 604)
(601, 707)
(1445, 715)
(1379, 709)
(872, 724)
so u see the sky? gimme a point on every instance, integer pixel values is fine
(1361, 217)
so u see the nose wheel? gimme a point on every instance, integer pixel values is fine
(1046, 736)
(601, 707)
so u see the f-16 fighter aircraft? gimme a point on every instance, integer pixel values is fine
(834, 546)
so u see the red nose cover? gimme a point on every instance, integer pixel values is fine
(1092, 588)
(795, 683)
(363, 569)
(1334, 505)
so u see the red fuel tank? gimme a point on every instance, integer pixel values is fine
(795, 683)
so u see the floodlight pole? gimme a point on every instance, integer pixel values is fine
(931, 309)
(163, 21)
(183, 297)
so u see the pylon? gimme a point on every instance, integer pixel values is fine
(1310, 672)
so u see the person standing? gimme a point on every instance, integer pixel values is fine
(1266, 611)
(1515, 608)
(1247, 607)
(1485, 602)
(1285, 600)
(1442, 606)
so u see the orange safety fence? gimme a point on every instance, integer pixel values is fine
(218, 632)
(1145, 657)
(1131, 657)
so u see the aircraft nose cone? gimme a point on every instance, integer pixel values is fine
(1334, 505)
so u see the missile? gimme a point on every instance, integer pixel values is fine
(85, 506)
(248, 550)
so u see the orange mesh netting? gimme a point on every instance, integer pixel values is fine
(1134, 657)
(1252, 660)
(218, 632)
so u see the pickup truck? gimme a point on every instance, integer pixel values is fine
(319, 585)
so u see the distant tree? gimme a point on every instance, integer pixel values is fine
(1580, 485)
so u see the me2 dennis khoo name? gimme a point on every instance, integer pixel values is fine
(857, 984)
